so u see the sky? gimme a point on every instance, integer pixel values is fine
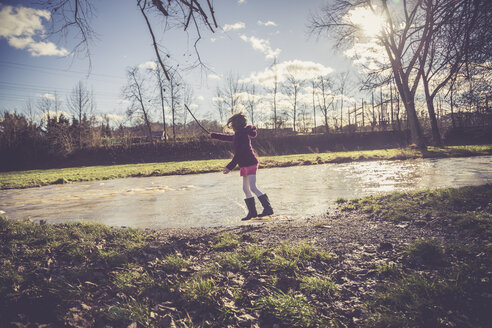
(251, 34)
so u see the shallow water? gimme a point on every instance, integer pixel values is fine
(215, 199)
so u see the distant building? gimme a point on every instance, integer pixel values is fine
(144, 134)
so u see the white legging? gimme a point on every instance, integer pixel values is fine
(249, 184)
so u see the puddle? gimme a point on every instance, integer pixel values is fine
(215, 199)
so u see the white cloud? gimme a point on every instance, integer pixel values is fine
(217, 99)
(302, 70)
(214, 77)
(193, 106)
(233, 27)
(20, 26)
(48, 96)
(367, 55)
(267, 23)
(261, 45)
(52, 114)
(114, 117)
(15, 22)
(201, 98)
(41, 48)
(150, 65)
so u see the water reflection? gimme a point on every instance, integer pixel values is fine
(216, 199)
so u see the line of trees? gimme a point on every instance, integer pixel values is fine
(347, 102)
(321, 104)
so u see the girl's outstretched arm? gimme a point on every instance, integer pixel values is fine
(232, 164)
(222, 136)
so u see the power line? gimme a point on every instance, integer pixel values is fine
(50, 69)
(62, 93)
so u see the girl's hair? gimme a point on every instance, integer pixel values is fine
(237, 121)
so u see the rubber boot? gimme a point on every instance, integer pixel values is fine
(250, 203)
(267, 208)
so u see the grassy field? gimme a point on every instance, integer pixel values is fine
(36, 178)
(86, 275)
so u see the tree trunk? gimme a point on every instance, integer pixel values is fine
(295, 114)
(314, 110)
(363, 122)
(408, 99)
(173, 109)
(161, 87)
(147, 122)
(436, 136)
(327, 130)
(373, 115)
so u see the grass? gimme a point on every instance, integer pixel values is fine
(324, 288)
(256, 255)
(32, 254)
(290, 310)
(428, 251)
(231, 261)
(200, 292)
(225, 241)
(132, 279)
(35, 178)
(130, 311)
(465, 206)
(174, 263)
(453, 297)
(387, 270)
(287, 258)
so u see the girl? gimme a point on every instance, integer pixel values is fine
(247, 161)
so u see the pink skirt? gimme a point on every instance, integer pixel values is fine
(248, 170)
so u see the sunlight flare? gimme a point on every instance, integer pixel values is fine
(370, 23)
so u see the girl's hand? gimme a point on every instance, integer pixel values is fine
(226, 170)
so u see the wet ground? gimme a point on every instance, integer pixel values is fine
(214, 199)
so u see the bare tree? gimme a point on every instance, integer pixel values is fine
(188, 97)
(231, 93)
(218, 101)
(342, 80)
(324, 103)
(161, 83)
(313, 85)
(175, 96)
(135, 91)
(29, 110)
(274, 92)
(252, 101)
(79, 104)
(426, 40)
(292, 86)
(402, 38)
(73, 18)
(449, 47)
(45, 106)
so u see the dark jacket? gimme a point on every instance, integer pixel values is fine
(243, 152)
